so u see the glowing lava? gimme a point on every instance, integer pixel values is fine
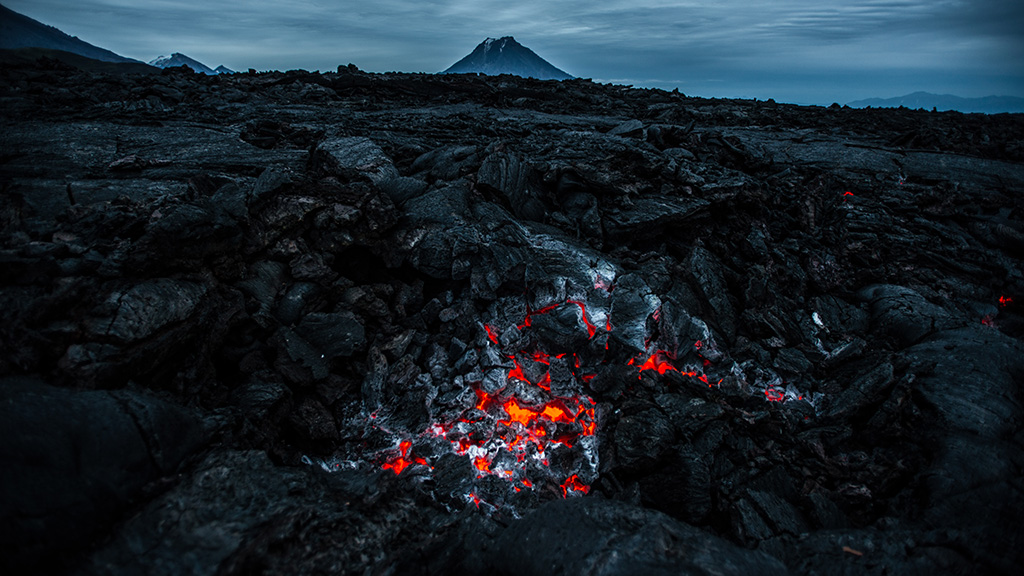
(573, 483)
(403, 461)
(510, 433)
(482, 464)
(657, 363)
(591, 328)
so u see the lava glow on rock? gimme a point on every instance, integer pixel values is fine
(511, 433)
(403, 461)
(520, 432)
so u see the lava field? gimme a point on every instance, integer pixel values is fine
(355, 323)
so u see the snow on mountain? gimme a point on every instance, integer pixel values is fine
(179, 59)
(504, 55)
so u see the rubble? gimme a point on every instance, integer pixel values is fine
(403, 323)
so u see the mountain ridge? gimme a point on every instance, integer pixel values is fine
(496, 56)
(20, 31)
(946, 102)
(179, 59)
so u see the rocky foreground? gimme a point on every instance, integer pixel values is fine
(294, 323)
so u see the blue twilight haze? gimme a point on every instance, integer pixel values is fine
(804, 51)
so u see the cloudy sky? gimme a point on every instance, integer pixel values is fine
(803, 51)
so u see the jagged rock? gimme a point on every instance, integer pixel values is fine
(649, 215)
(629, 128)
(140, 311)
(334, 335)
(505, 173)
(752, 317)
(641, 439)
(904, 314)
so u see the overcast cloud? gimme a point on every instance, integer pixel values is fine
(806, 51)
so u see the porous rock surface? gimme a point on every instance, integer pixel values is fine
(225, 300)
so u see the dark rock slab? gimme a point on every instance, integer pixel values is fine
(904, 314)
(615, 538)
(72, 462)
(139, 311)
(649, 215)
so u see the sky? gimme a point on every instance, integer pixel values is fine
(800, 51)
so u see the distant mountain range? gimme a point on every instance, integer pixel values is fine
(20, 31)
(30, 38)
(943, 102)
(178, 59)
(506, 56)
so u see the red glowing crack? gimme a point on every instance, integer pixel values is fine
(591, 328)
(403, 461)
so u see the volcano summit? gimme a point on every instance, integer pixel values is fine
(506, 56)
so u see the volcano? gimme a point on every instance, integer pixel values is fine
(506, 56)
(179, 59)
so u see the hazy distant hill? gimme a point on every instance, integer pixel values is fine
(506, 56)
(29, 56)
(20, 31)
(942, 102)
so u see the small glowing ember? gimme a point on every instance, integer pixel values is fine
(482, 464)
(1005, 301)
(774, 395)
(403, 461)
(573, 483)
(657, 363)
(491, 334)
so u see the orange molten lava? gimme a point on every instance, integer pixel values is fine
(517, 413)
(573, 483)
(403, 461)
(557, 412)
(657, 363)
(482, 464)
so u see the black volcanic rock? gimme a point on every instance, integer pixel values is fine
(19, 31)
(419, 312)
(506, 56)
